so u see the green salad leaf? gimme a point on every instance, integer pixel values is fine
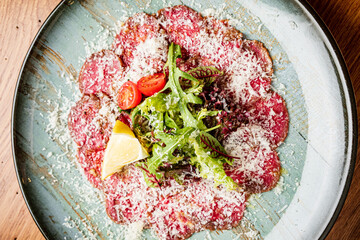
(211, 167)
(165, 154)
(206, 73)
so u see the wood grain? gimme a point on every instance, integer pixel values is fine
(19, 22)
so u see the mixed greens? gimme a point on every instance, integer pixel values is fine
(170, 125)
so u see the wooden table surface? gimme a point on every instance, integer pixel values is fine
(19, 23)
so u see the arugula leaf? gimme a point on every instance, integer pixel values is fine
(187, 117)
(203, 113)
(151, 106)
(191, 98)
(175, 115)
(211, 167)
(169, 122)
(165, 154)
(155, 103)
(185, 75)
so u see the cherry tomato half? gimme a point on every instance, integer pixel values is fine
(149, 85)
(129, 96)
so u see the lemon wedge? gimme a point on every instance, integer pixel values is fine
(123, 148)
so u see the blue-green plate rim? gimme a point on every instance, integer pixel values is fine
(349, 89)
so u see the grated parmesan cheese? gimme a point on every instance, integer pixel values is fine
(193, 204)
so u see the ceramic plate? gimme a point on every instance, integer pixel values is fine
(317, 157)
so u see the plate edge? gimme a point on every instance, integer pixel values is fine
(39, 32)
(350, 91)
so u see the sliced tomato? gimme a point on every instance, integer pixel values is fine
(129, 96)
(151, 84)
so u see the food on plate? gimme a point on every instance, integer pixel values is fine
(177, 124)
(149, 85)
(129, 96)
(123, 148)
(99, 71)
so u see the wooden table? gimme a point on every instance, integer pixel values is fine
(19, 22)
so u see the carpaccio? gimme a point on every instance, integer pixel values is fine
(257, 121)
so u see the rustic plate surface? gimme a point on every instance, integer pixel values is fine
(317, 157)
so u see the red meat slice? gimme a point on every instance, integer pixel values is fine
(257, 166)
(254, 90)
(261, 53)
(135, 31)
(208, 37)
(99, 71)
(200, 206)
(260, 84)
(128, 198)
(268, 178)
(143, 44)
(81, 115)
(222, 29)
(174, 211)
(87, 131)
(193, 62)
(249, 59)
(91, 163)
(170, 222)
(272, 115)
(260, 178)
(243, 59)
(221, 221)
(183, 25)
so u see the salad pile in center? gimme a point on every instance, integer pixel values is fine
(176, 128)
